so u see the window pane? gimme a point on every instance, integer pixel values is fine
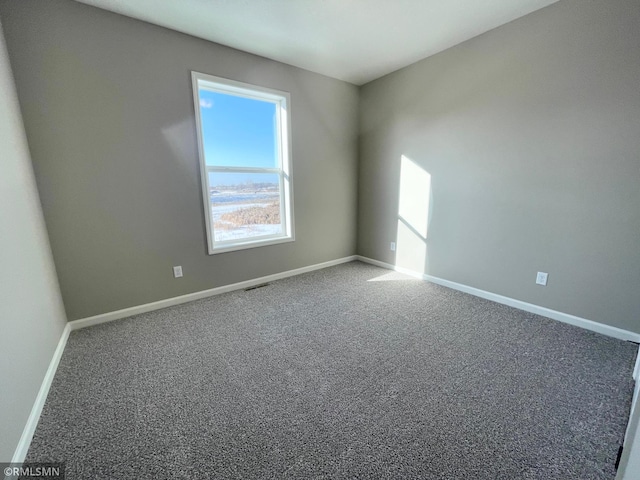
(244, 205)
(244, 137)
(238, 131)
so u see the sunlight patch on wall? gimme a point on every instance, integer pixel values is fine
(179, 137)
(413, 216)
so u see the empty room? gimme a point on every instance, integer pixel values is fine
(320, 239)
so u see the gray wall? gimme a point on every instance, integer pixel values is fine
(108, 112)
(31, 313)
(531, 135)
(530, 132)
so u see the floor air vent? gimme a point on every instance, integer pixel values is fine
(256, 286)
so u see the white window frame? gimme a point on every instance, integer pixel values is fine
(283, 170)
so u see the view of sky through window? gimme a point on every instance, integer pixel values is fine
(238, 131)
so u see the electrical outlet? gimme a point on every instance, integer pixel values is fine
(541, 278)
(177, 271)
(393, 246)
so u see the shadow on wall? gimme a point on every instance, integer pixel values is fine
(414, 213)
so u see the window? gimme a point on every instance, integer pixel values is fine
(244, 144)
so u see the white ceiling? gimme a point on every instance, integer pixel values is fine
(352, 40)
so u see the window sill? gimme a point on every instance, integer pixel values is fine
(249, 244)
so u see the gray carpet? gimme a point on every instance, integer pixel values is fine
(348, 372)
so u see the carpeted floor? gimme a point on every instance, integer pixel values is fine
(347, 372)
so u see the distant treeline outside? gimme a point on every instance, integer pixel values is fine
(248, 209)
(246, 186)
(263, 215)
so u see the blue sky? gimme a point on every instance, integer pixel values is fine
(238, 132)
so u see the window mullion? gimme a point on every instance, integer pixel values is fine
(213, 169)
(283, 210)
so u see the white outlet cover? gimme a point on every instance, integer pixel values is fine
(393, 246)
(177, 271)
(541, 278)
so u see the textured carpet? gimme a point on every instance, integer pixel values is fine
(347, 372)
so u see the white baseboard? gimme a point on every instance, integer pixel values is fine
(636, 391)
(34, 416)
(32, 422)
(608, 330)
(169, 302)
(636, 369)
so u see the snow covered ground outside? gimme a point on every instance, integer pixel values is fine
(227, 202)
(247, 231)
